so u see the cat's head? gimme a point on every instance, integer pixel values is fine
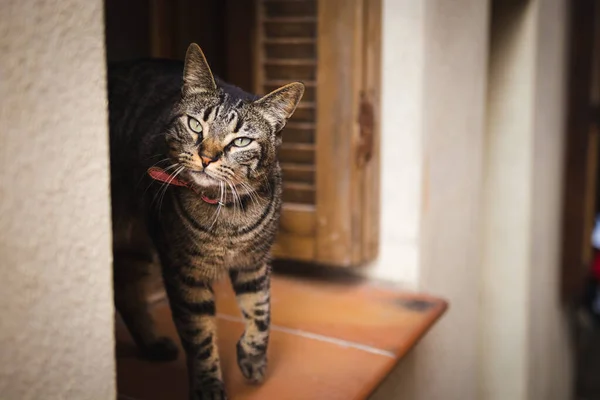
(221, 138)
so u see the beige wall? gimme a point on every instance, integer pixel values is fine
(489, 194)
(401, 148)
(525, 348)
(456, 48)
(442, 103)
(550, 363)
(56, 326)
(507, 199)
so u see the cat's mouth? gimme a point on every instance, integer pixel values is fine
(203, 179)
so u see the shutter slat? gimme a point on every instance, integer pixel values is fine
(278, 83)
(290, 40)
(283, 51)
(305, 112)
(287, 52)
(297, 153)
(278, 29)
(290, 72)
(300, 125)
(302, 193)
(290, 20)
(304, 173)
(285, 62)
(299, 132)
(293, 8)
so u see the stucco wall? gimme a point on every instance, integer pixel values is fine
(56, 323)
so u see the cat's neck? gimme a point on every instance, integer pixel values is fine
(229, 208)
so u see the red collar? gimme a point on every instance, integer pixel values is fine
(159, 174)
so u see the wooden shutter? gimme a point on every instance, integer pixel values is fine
(330, 152)
(329, 155)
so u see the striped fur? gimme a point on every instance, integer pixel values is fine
(157, 109)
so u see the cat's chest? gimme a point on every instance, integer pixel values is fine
(223, 252)
(226, 238)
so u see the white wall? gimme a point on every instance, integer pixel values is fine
(551, 352)
(507, 198)
(401, 146)
(485, 182)
(455, 67)
(525, 345)
(56, 326)
(434, 80)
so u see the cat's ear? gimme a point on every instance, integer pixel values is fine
(197, 76)
(280, 104)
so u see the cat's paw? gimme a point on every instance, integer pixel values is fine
(252, 361)
(163, 349)
(215, 391)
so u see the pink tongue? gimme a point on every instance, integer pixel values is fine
(160, 175)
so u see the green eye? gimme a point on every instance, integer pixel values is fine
(242, 142)
(194, 125)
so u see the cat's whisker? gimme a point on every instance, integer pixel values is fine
(153, 165)
(154, 156)
(255, 197)
(172, 166)
(173, 137)
(268, 183)
(164, 185)
(219, 206)
(239, 197)
(236, 199)
(152, 181)
(177, 172)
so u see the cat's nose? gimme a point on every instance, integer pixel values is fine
(207, 160)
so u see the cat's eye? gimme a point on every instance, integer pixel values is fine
(242, 142)
(194, 125)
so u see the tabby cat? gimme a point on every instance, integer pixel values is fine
(196, 186)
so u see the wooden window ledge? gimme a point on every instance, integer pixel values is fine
(328, 341)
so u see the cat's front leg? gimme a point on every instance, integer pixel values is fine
(252, 291)
(193, 307)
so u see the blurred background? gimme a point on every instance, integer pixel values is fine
(445, 147)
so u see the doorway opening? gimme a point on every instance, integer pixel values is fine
(581, 201)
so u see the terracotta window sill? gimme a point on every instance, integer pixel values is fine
(329, 341)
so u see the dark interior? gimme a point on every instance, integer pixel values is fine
(161, 28)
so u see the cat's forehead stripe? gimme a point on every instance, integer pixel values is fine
(238, 125)
(206, 113)
(213, 114)
(230, 117)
